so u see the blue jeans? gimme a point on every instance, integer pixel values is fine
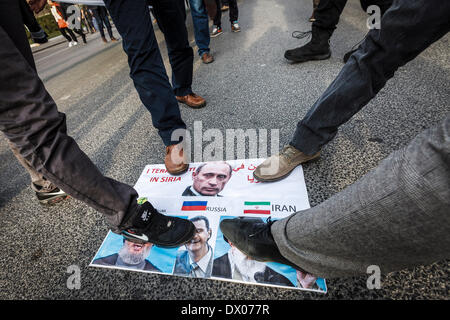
(201, 27)
(407, 28)
(132, 20)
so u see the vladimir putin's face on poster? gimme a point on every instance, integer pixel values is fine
(211, 178)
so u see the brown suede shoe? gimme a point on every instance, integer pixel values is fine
(175, 160)
(279, 166)
(207, 58)
(192, 100)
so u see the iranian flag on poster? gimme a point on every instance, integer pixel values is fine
(257, 207)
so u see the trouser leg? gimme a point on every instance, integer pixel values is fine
(11, 21)
(396, 216)
(201, 27)
(36, 177)
(171, 18)
(407, 28)
(132, 20)
(104, 17)
(30, 120)
(382, 4)
(72, 34)
(65, 35)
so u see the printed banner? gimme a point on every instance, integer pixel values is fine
(222, 190)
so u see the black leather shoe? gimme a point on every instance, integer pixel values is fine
(146, 224)
(253, 237)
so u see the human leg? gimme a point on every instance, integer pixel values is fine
(30, 120)
(218, 17)
(132, 20)
(99, 21)
(400, 40)
(326, 17)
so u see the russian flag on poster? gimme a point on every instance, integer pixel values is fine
(194, 206)
(258, 207)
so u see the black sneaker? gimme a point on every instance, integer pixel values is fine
(148, 225)
(253, 237)
(49, 196)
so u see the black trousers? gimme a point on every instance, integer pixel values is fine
(101, 15)
(328, 12)
(30, 120)
(132, 20)
(234, 12)
(68, 34)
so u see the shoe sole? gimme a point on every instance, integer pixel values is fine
(286, 174)
(218, 34)
(311, 58)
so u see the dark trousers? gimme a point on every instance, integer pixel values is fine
(234, 12)
(407, 29)
(30, 120)
(328, 12)
(101, 15)
(132, 20)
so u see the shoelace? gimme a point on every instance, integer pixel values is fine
(301, 34)
(269, 223)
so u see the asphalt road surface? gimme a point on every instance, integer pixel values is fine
(250, 85)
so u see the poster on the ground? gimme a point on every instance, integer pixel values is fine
(206, 194)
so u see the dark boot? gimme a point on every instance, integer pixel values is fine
(317, 49)
(315, 5)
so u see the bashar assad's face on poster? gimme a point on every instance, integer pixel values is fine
(212, 178)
